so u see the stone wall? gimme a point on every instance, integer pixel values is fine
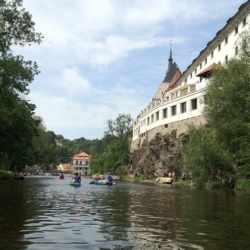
(159, 151)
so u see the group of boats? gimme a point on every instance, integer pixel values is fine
(99, 182)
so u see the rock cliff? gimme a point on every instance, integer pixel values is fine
(159, 156)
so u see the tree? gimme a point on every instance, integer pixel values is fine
(17, 126)
(227, 106)
(204, 160)
(16, 26)
(117, 144)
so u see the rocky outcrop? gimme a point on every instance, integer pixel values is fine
(156, 158)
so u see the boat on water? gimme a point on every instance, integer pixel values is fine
(164, 180)
(76, 184)
(102, 182)
(18, 178)
(61, 177)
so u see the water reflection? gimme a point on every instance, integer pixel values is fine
(48, 213)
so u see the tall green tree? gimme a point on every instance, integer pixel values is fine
(227, 106)
(17, 126)
(116, 152)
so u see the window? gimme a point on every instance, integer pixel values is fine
(191, 75)
(226, 59)
(212, 54)
(148, 121)
(194, 103)
(76, 162)
(226, 40)
(157, 116)
(195, 71)
(80, 168)
(76, 168)
(166, 125)
(200, 65)
(165, 113)
(152, 118)
(219, 47)
(244, 22)
(236, 30)
(183, 107)
(185, 81)
(173, 110)
(205, 60)
(80, 162)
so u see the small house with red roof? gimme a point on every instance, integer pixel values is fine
(81, 164)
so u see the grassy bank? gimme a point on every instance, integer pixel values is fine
(242, 184)
(5, 175)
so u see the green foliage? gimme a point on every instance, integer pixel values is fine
(243, 184)
(116, 143)
(204, 160)
(5, 175)
(17, 124)
(227, 108)
(139, 178)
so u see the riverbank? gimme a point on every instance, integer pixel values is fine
(5, 175)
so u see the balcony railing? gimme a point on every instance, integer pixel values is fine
(175, 93)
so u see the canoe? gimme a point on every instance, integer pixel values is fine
(18, 178)
(102, 182)
(164, 180)
(77, 184)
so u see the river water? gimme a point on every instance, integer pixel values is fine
(45, 213)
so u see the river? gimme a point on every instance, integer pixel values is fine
(45, 213)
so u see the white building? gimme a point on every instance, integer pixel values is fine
(81, 164)
(178, 100)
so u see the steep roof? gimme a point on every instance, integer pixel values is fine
(208, 70)
(172, 68)
(82, 156)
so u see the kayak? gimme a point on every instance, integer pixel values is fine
(164, 180)
(102, 182)
(18, 178)
(77, 184)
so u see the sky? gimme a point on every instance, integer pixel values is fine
(102, 58)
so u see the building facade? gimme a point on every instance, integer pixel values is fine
(81, 164)
(178, 101)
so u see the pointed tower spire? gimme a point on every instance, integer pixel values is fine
(170, 59)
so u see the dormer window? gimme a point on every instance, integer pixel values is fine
(236, 30)
(244, 22)
(219, 47)
(226, 40)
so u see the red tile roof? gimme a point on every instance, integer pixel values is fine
(209, 68)
(82, 156)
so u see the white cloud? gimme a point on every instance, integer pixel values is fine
(104, 57)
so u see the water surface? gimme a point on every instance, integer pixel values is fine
(47, 213)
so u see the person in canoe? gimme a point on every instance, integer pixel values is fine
(77, 178)
(109, 178)
(97, 177)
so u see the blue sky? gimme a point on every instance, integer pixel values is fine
(102, 58)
